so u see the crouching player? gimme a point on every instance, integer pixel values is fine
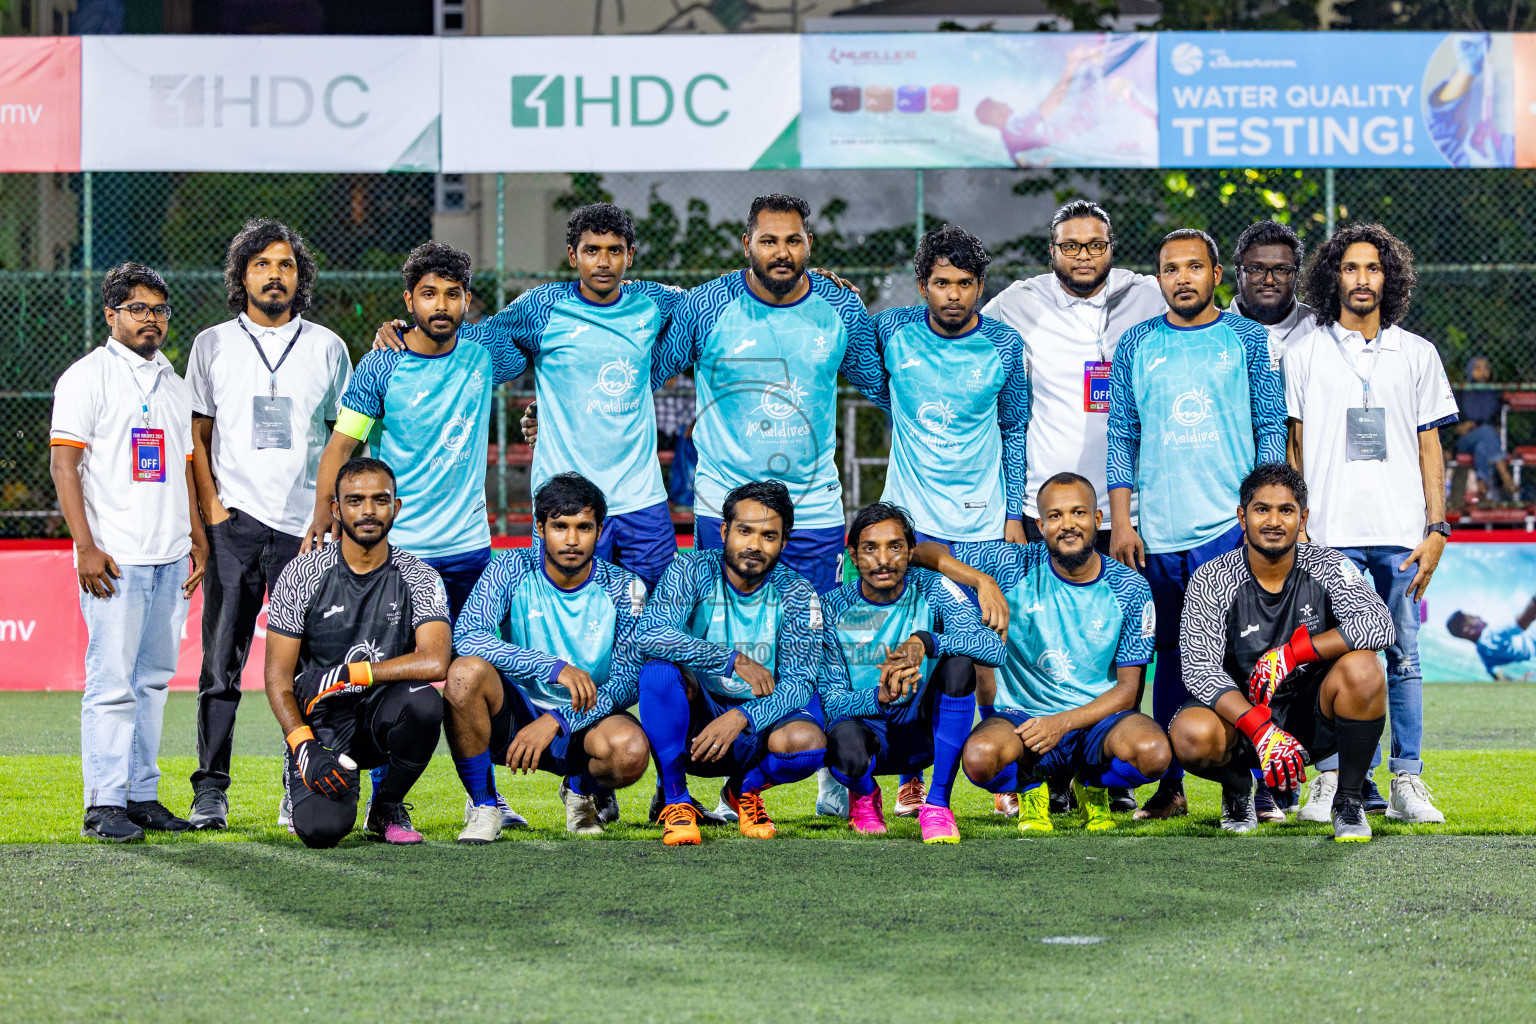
(356, 634)
(737, 641)
(552, 696)
(898, 673)
(1280, 643)
(1080, 632)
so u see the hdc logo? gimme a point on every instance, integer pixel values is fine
(539, 101)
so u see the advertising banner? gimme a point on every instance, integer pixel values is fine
(983, 100)
(260, 103)
(1491, 586)
(40, 104)
(1336, 99)
(616, 103)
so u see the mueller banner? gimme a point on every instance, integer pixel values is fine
(982, 100)
(40, 104)
(260, 103)
(1337, 99)
(620, 103)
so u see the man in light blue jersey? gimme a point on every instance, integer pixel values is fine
(898, 673)
(1195, 403)
(767, 345)
(1079, 631)
(591, 343)
(736, 639)
(1508, 643)
(552, 695)
(425, 410)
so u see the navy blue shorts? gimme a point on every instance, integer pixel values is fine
(641, 541)
(566, 755)
(904, 737)
(750, 747)
(815, 554)
(460, 573)
(1168, 575)
(1078, 749)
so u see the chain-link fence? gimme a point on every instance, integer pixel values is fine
(1472, 232)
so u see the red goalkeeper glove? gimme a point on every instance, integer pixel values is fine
(1282, 758)
(1276, 664)
(354, 677)
(323, 770)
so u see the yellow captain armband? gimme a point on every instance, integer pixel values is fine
(354, 424)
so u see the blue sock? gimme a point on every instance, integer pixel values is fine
(582, 785)
(664, 709)
(986, 710)
(782, 769)
(1005, 781)
(861, 786)
(952, 718)
(908, 778)
(378, 775)
(1031, 784)
(1116, 773)
(479, 778)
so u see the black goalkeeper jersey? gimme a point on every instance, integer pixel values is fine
(340, 616)
(1230, 620)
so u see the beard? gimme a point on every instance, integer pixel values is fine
(1274, 554)
(1072, 560)
(438, 334)
(367, 544)
(1268, 314)
(750, 576)
(273, 307)
(1190, 308)
(143, 345)
(1076, 288)
(774, 285)
(1363, 309)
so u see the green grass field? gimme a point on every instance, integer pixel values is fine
(1156, 922)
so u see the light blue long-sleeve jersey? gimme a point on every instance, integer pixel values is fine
(547, 627)
(765, 380)
(960, 415)
(593, 375)
(1191, 411)
(859, 633)
(699, 621)
(1065, 639)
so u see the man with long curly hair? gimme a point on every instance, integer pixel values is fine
(265, 388)
(1365, 401)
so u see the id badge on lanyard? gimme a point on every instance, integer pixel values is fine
(147, 447)
(272, 416)
(1096, 386)
(1365, 428)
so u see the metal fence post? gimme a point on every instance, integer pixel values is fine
(1328, 199)
(917, 232)
(506, 389)
(87, 219)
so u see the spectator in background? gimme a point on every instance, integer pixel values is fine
(1365, 400)
(265, 390)
(1477, 434)
(130, 509)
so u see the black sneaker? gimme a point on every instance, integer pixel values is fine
(1062, 799)
(1168, 802)
(210, 809)
(1122, 800)
(607, 806)
(1237, 811)
(152, 816)
(706, 816)
(1371, 797)
(1264, 804)
(110, 825)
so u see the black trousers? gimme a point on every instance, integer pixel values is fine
(245, 557)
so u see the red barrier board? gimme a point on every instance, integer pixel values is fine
(40, 104)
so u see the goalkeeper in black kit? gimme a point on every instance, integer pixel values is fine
(1280, 643)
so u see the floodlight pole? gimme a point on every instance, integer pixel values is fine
(87, 256)
(917, 233)
(1328, 199)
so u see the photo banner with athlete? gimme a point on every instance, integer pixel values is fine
(985, 100)
(1339, 99)
(1493, 586)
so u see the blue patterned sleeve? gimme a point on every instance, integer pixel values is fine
(964, 633)
(513, 335)
(662, 630)
(862, 364)
(1266, 389)
(1138, 616)
(1124, 417)
(838, 697)
(693, 317)
(1004, 562)
(370, 381)
(887, 323)
(476, 632)
(667, 299)
(798, 653)
(1013, 414)
(623, 687)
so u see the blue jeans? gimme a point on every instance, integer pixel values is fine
(1483, 444)
(135, 636)
(815, 553)
(1405, 681)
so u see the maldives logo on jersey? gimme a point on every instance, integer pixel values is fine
(453, 441)
(1057, 664)
(1189, 410)
(936, 417)
(615, 380)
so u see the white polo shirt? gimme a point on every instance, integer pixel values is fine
(1063, 333)
(272, 484)
(1365, 503)
(97, 404)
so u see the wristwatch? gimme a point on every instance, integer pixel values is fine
(1442, 528)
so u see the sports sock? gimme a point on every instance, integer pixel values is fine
(952, 717)
(782, 769)
(1357, 738)
(908, 778)
(1116, 773)
(664, 709)
(582, 785)
(479, 777)
(1005, 781)
(863, 785)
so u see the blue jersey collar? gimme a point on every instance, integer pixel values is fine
(858, 588)
(928, 323)
(1197, 327)
(1103, 559)
(576, 291)
(544, 569)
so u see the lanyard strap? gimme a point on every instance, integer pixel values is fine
(1375, 353)
(271, 370)
(144, 396)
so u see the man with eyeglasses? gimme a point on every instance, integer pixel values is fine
(1071, 321)
(265, 389)
(1268, 263)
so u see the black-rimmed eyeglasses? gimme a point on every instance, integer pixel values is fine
(140, 312)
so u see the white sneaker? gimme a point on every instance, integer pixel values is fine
(285, 812)
(1319, 805)
(481, 825)
(580, 812)
(1411, 801)
(723, 809)
(509, 817)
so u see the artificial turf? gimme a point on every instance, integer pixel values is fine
(1158, 921)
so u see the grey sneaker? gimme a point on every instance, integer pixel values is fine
(1350, 825)
(210, 809)
(509, 817)
(110, 825)
(1237, 811)
(1320, 791)
(580, 812)
(483, 825)
(1411, 801)
(285, 811)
